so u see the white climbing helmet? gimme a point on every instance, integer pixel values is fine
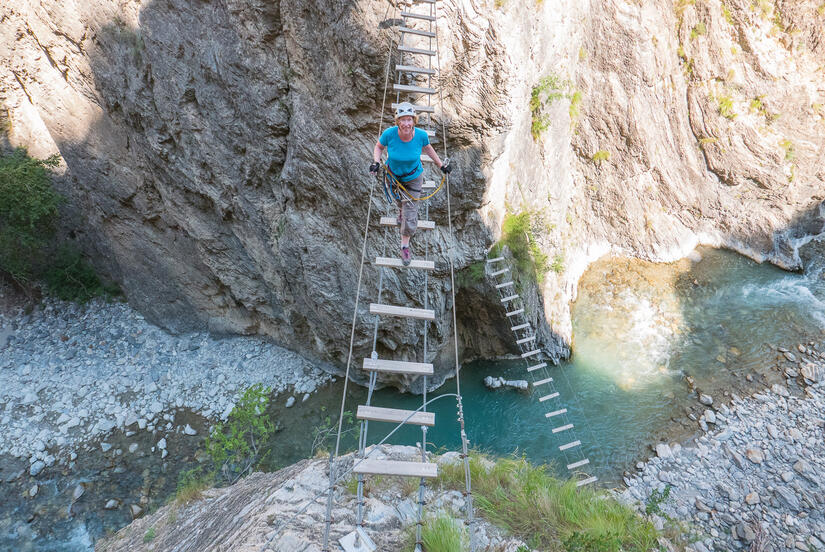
(405, 109)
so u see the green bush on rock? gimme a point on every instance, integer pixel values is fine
(518, 236)
(28, 210)
(236, 446)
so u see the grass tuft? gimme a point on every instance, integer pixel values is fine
(546, 512)
(700, 29)
(790, 150)
(601, 155)
(443, 534)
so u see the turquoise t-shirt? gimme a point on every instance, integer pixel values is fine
(404, 157)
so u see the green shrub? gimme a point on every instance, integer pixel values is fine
(698, 30)
(725, 104)
(149, 535)
(546, 512)
(518, 236)
(443, 534)
(727, 14)
(236, 446)
(600, 156)
(192, 483)
(28, 211)
(546, 91)
(471, 275)
(656, 499)
(790, 150)
(71, 278)
(575, 107)
(558, 264)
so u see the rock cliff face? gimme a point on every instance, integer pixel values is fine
(216, 150)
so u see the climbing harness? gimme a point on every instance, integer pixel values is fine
(394, 190)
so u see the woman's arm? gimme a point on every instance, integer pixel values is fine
(378, 151)
(430, 151)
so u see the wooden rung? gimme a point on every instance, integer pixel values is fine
(587, 481)
(414, 69)
(536, 367)
(428, 185)
(570, 445)
(418, 16)
(411, 50)
(530, 353)
(393, 467)
(395, 262)
(499, 272)
(509, 298)
(562, 428)
(413, 89)
(422, 224)
(398, 367)
(525, 340)
(520, 327)
(515, 312)
(395, 415)
(548, 397)
(417, 32)
(505, 284)
(497, 259)
(542, 382)
(418, 108)
(555, 413)
(578, 464)
(402, 312)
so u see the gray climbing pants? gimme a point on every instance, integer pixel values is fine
(408, 207)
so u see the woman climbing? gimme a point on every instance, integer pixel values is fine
(404, 144)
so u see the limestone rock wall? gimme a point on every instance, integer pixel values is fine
(215, 152)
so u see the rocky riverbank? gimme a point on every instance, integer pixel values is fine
(70, 374)
(754, 479)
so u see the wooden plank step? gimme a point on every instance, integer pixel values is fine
(402, 312)
(395, 262)
(398, 367)
(555, 413)
(562, 428)
(499, 272)
(536, 367)
(509, 298)
(520, 327)
(530, 353)
(548, 397)
(578, 464)
(422, 224)
(570, 445)
(525, 340)
(418, 32)
(394, 467)
(417, 16)
(587, 481)
(428, 185)
(394, 415)
(542, 382)
(515, 312)
(414, 69)
(418, 108)
(497, 259)
(505, 284)
(413, 89)
(421, 51)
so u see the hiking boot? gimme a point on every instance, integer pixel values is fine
(406, 256)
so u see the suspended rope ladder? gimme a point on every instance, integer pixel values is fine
(537, 364)
(416, 70)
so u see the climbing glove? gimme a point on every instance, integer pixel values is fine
(446, 168)
(374, 167)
